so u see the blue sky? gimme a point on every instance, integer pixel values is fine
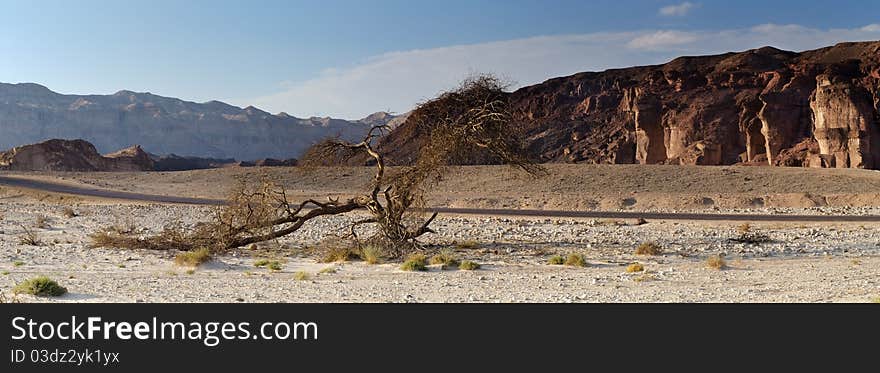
(350, 58)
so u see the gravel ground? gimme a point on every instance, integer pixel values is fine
(811, 262)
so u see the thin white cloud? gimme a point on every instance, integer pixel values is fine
(678, 10)
(399, 80)
(872, 28)
(662, 39)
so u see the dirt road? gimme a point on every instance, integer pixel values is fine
(45, 186)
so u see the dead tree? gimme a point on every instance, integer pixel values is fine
(472, 119)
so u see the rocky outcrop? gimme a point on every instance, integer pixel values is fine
(173, 162)
(765, 106)
(73, 155)
(845, 123)
(31, 113)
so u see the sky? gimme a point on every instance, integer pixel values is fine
(350, 58)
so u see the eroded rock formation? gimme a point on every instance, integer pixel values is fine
(765, 106)
(73, 155)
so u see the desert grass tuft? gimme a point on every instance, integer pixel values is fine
(716, 262)
(649, 248)
(576, 260)
(446, 258)
(556, 260)
(328, 270)
(635, 268)
(301, 276)
(415, 262)
(17, 263)
(40, 286)
(193, 258)
(339, 254)
(371, 254)
(468, 265)
(273, 265)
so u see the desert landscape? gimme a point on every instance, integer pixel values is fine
(738, 177)
(763, 261)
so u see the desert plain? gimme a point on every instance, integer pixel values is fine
(827, 259)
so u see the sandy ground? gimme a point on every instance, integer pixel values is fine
(565, 187)
(809, 262)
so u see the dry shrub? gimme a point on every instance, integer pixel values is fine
(649, 248)
(716, 262)
(635, 267)
(42, 222)
(576, 260)
(29, 237)
(301, 276)
(4, 299)
(172, 237)
(339, 254)
(750, 236)
(69, 213)
(372, 254)
(468, 265)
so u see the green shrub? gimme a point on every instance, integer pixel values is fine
(262, 262)
(193, 258)
(556, 260)
(416, 262)
(446, 258)
(40, 286)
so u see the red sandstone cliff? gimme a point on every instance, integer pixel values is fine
(818, 108)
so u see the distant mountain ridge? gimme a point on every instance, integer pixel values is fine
(31, 113)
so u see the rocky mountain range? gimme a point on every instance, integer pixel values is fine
(818, 108)
(31, 113)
